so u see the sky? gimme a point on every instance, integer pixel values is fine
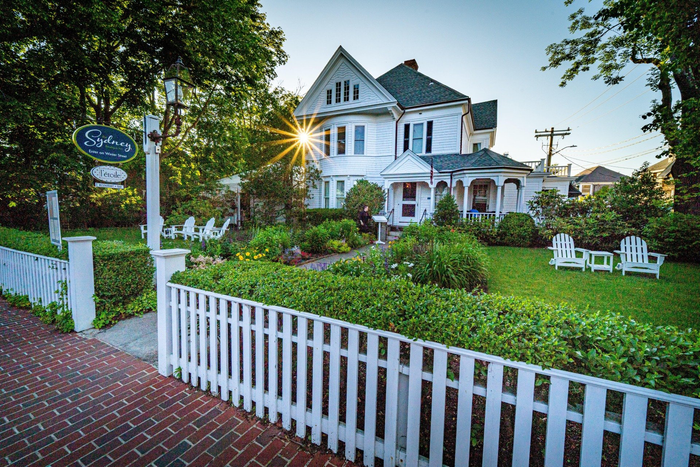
(487, 50)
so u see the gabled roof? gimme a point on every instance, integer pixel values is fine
(598, 174)
(573, 191)
(483, 159)
(663, 167)
(485, 115)
(414, 89)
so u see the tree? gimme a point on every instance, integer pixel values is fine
(364, 193)
(65, 64)
(446, 211)
(638, 199)
(664, 35)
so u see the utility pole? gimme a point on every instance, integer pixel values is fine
(551, 133)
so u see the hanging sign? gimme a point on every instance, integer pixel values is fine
(104, 143)
(108, 174)
(116, 186)
(54, 218)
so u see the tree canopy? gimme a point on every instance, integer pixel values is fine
(664, 35)
(66, 64)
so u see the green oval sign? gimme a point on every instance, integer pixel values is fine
(105, 144)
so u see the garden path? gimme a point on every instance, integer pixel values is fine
(326, 260)
(70, 400)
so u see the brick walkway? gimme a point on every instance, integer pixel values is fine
(68, 400)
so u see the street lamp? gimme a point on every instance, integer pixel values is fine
(177, 86)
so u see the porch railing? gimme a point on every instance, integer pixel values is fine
(389, 396)
(554, 170)
(483, 216)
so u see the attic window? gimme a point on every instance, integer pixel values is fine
(329, 96)
(355, 92)
(337, 92)
(346, 90)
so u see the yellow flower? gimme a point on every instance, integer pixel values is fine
(267, 250)
(247, 253)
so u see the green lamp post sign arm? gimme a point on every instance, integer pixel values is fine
(105, 144)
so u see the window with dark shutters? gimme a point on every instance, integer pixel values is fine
(406, 136)
(429, 138)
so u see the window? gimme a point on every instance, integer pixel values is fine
(337, 92)
(476, 147)
(585, 190)
(440, 191)
(480, 200)
(409, 191)
(429, 138)
(406, 136)
(339, 193)
(359, 139)
(327, 142)
(417, 145)
(355, 92)
(326, 194)
(340, 144)
(346, 90)
(329, 96)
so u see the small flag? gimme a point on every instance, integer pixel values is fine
(431, 170)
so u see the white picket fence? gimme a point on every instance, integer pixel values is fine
(339, 382)
(41, 278)
(38, 277)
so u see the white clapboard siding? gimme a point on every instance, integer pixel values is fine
(38, 277)
(397, 367)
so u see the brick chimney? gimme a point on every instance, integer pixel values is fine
(412, 63)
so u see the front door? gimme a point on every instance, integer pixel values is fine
(409, 202)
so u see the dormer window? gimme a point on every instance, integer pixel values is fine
(329, 96)
(476, 147)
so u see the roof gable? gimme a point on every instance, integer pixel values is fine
(414, 89)
(340, 68)
(406, 164)
(598, 174)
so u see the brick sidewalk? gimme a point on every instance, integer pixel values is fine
(68, 400)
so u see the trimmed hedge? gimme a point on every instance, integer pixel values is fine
(320, 215)
(123, 271)
(597, 344)
(676, 234)
(516, 229)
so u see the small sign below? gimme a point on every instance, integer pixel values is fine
(105, 144)
(106, 173)
(116, 186)
(54, 218)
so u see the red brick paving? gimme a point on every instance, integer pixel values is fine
(68, 400)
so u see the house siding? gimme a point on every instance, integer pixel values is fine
(344, 71)
(446, 128)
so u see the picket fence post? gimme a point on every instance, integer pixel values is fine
(167, 263)
(81, 288)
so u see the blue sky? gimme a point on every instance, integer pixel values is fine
(487, 50)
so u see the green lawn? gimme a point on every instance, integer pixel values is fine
(126, 234)
(673, 299)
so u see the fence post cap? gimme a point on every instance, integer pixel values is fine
(171, 252)
(79, 239)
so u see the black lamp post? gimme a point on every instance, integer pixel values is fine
(177, 86)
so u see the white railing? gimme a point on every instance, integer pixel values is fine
(390, 397)
(41, 278)
(559, 170)
(37, 277)
(483, 216)
(537, 166)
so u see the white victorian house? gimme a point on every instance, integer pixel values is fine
(417, 138)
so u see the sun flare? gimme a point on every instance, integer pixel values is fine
(300, 140)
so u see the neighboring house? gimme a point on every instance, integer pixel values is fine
(417, 138)
(594, 179)
(662, 172)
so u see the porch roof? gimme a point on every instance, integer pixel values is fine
(482, 159)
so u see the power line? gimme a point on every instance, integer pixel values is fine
(615, 144)
(621, 147)
(611, 111)
(606, 100)
(599, 96)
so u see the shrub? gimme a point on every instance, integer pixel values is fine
(316, 240)
(275, 239)
(202, 209)
(460, 265)
(115, 208)
(363, 193)
(676, 234)
(338, 246)
(598, 344)
(516, 229)
(319, 216)
(31, 242)
(446, 211)
(483, 229)
(427, 232)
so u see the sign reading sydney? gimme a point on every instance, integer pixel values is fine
(104, 143)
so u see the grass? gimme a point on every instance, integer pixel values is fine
(125, 234)
(673, 299)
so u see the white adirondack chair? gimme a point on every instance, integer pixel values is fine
(634, 257)
(205, 232)
(217, 233)
(144, 228)
(186, 229)
(566, 254)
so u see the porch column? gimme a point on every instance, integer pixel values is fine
(499, 191)
(432, 199)
(387, 189)
(467, 184)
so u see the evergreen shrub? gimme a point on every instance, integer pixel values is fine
(516, 229)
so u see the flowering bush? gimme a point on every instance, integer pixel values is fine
(252, 254)
(201, 261)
